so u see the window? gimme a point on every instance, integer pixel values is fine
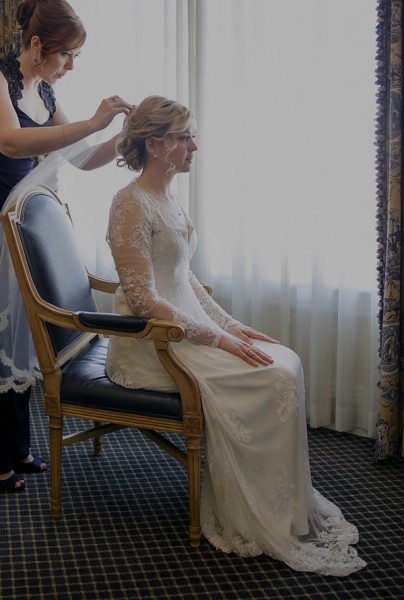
(283, 190)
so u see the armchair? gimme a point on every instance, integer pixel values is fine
(69, 338)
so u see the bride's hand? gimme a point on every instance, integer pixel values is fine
(248, 333)
(245, 350)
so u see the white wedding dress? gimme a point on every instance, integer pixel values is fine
(257, 495)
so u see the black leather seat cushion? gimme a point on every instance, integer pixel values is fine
(86, 383)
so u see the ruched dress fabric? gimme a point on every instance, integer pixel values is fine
(257, 495)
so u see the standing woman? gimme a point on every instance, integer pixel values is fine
(32, 123)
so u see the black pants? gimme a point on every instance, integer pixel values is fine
(14, 428)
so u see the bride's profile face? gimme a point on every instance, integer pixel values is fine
(182, 155)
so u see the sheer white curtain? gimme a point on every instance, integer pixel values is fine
(134, 48)
(283, 193)
(284, 196)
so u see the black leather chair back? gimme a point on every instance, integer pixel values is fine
(57, 268)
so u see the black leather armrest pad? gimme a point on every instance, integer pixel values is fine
(113, 322)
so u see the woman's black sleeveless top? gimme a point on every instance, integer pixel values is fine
(12, 170)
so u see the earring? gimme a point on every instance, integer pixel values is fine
(155, 155)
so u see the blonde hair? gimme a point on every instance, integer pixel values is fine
(155, 117)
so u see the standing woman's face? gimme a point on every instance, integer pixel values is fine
(57, 64)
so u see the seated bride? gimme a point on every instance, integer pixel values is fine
(257, 495)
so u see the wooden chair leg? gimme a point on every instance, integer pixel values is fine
(194, 449)
(55, 429)
(97, 442)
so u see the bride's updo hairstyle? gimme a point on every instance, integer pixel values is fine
(155, 117)
(55, 23)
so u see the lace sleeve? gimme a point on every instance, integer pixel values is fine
(215, 312)
(130, 235)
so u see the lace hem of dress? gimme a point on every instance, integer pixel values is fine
(329, 554)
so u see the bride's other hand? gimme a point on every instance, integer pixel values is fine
(245, 349)
(247, 334)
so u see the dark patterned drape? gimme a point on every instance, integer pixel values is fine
(9, 36)
(390, 230)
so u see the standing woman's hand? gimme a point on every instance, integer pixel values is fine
(108, 109)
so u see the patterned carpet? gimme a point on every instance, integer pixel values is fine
(123, 533)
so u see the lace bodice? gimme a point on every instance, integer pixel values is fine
(152, 243)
